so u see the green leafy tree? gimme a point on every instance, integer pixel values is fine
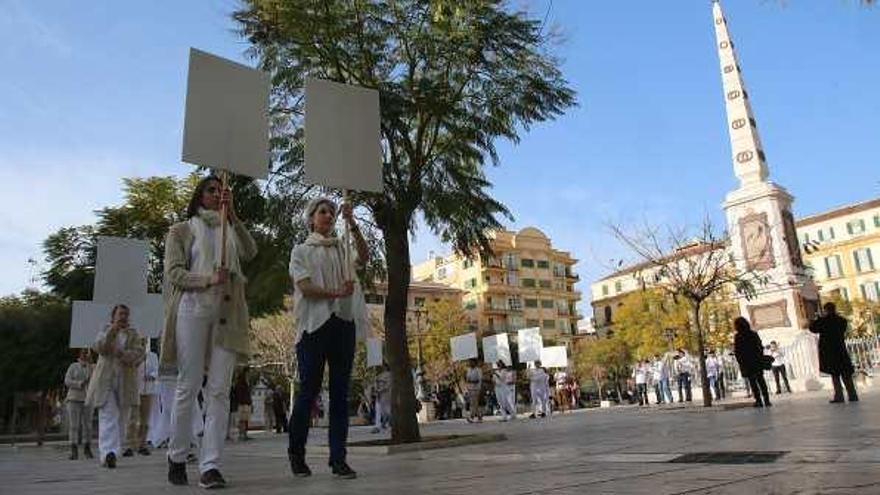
(453, 77)
(603, 360)
(34, 352)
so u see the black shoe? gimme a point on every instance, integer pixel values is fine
(212, 479)
(853, 399)
(74, 452)
(87, 451)
(298, 466)
(343, 471)
(758, 404)
(144, 451)
(177, 473)
(768, 404)
(836, 401)
(110, 461)
(128, 453)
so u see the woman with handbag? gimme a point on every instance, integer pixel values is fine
(752, 361)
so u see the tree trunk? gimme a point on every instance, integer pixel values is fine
(701, 351)
(405, 425)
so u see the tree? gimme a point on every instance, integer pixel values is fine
(453, 77)
(694, 269)
(603, 359)
(445, 319)
(33, 347)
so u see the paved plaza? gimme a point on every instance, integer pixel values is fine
(829, 449)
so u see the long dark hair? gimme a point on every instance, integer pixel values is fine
(741, 324)
(195, 202)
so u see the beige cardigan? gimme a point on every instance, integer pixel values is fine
(108, 362)
(232, 331)
(76, 380)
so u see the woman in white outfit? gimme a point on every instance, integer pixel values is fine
(113, 386)
(206, 323)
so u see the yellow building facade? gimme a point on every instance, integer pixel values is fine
(525, 284)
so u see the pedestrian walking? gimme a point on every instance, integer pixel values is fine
(474, 384)
(713, 370)
(382, 390)
(206, 323)
(684, 365)
(539, 387)
(752, 363)
(328, 309)
(79, 417)
(241, 397)
(640, 375)
(113, 385)
(833, 357)
(139, 416)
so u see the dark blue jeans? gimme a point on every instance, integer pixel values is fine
(332, 344)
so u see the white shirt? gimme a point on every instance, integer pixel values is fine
(641, 375)
(712, 366)
(317, 263)
(685, 364)
(778, 358)
(660, 370)
(201, 303)
(538, 378)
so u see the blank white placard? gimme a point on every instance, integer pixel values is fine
(343, 144)
(227, 116)
(121, 271)
(554, 357)
(530, 344)
(87, 320)
(497, 347)
(149, 319)
(464, 347)
(374, 352)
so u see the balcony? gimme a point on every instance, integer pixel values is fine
(501, 310)
(572, 276)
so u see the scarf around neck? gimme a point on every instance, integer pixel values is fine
(207, 235)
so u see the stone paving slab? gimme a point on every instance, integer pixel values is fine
(831, 449)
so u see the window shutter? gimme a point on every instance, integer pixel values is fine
(858, 262)
(828, 267)
(849, 228)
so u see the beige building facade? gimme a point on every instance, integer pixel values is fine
(526, 283)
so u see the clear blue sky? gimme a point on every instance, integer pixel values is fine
(92, 92)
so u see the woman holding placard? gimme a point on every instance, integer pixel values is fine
(328, 306)
(206, 322)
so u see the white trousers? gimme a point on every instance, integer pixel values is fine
(194, 340)
(112, 420)
(506, 397)
(383, 412)
(540, 399)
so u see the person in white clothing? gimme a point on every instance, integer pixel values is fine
(640, 374)
(113, 385)
(778, 367)
(160, 431)
(684, 365)
(504, 379)
(539, 387)
(79, 417)
(206, 322)
(713, 370)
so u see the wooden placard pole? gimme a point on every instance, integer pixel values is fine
(224, 184)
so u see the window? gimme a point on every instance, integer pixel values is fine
(549, 324)
(833, 266)
(531, 303)
(547, 303)
(864, 260)
(419, 302)
(876, 220)
(472, 304)
(470, 283)
(545, 284)
(528, 282)
(510, 261)
(544, 264)
(374, 298)
(831, 233)
(467, 263)
(511, 279)
(533, 323)
(870, 291)
(821, 235)
(516, 322)
(527, 263)
(441, 273)
(604, 290)
(806, 238)
(855, 227)
(618, 286)
(607, 315)
(558, 270)
(514, 303)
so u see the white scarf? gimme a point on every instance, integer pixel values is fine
(209, 247)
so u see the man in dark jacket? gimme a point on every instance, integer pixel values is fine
(833, 356)
(750, 356)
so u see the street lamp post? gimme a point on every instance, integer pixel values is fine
(670, 336)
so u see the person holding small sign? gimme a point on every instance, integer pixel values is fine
(206, 322)
(113, 387)
(328, 308)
